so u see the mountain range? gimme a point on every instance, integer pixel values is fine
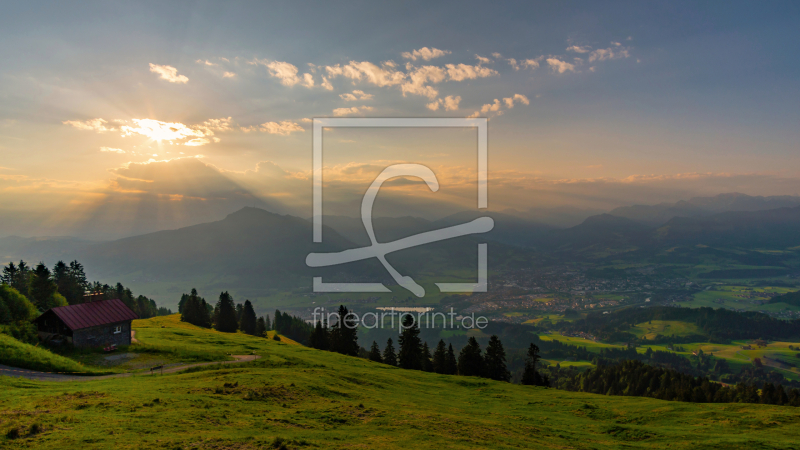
(703, 206)
(259, 251)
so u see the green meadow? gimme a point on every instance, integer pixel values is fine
(296, 397)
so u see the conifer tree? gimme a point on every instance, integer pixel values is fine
(43, 290)
(9, 276)
(276, 322)
(410, 355)
(496, 360)
(439, 362)
(226, 314)
(427, 364)
(20, 278)
(375, 353)
(389, 356)
(343, 337)
(451, 365)
(267, 323)
(470, 361)
(530, 376)
(261, 327)
(248, 321)
(319, 337)
(239, 311)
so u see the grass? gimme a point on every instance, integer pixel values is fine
(19, 354)
(581, 342)
(732, 297)
(666, 328)
(295, 397)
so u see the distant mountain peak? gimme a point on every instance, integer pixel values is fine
(704, 206)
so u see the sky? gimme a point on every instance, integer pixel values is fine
(118, 118)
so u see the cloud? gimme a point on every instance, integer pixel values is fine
(284, 128)
(111, 150)
(368, 71)
(206, 62)
(196, 142)
(284, 71)
(351, 110)
(168, 73)
(306, 120)
(308, 80)
(451, 103)
(531, 63)
(579, 49)
(483, 60)
(326, 84)
(513, 63)
(519, 98)
(603, 54)
(98, 125)
(419, 76)
(425, 53)
(560, 66)
(493, 107)
(460, 72)
(228, 75)
(159, 131)
(211, 125)
(356, 95)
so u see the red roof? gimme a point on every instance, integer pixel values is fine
(92, 314)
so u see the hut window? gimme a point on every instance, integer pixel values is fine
(118, 329)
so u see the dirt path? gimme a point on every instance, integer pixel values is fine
(47, 376)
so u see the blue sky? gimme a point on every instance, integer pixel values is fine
(667, 100)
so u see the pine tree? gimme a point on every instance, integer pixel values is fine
(239, 311)
(267, 323)
(248, 320)
(261, 327)
(439, 362)
(43, 291)
(276, 323)
(343, 337)
(427, 364)
(319, 337)
(410, 356)
(530, 376)
(10, 273)
(496, 360)
(22, 279)
(451, 365)
(375, 353)
(388, 354)
(470, 361)
(226, 314)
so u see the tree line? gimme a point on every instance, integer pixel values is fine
(719, 325)
(635, 378)
(230, 317)
(414, 353)
(26, 292)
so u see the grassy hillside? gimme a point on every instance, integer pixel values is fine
(19, 354)
(295, 397)
(653, 328)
